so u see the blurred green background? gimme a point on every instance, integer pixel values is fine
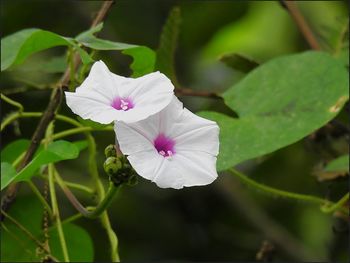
(224, 221)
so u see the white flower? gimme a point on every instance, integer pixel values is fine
(105, 97)
(173, 148)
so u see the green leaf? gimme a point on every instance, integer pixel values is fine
(334, 169)
(16, 246)
(88, 33)
(79, 243)
(7, 173)
(55, 152)
(54, 65)
(144, 60)
(239, 62)
(42, 64)
(167, 46)
(17, 47)
(81, 145)
(14, 149)
(143, 57)
(102, 44)
(341, 164)
(85, 57)
(279, 103)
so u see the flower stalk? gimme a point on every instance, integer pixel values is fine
(55, 209)
(12, 102)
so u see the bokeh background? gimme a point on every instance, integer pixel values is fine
(225, 221)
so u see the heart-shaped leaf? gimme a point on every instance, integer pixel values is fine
(279, 103)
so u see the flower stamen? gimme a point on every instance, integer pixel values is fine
(124, 104)
(165, 146)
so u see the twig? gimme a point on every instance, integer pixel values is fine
(49, 115)
(265, 252)
(301, 23)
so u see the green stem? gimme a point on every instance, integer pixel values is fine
(77, 130)
(79, 187)
(98, 210)
(56, 213)
(113, 240)
(92, 167)
(33, 187)
(84, 68)
(282, 193)
(71, 69)
(8, 119)
(12, 102)
(106, 201)
(72, 218)
(71, 132)
(55, 209)
(112, 237)
(14, 116)
(40, 197)
(337, 205)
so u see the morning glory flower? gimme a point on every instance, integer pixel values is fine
(173, 148)
(105, 97)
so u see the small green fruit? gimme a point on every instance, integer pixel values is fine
(112, 165)
(110, 151)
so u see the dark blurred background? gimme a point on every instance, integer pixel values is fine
(225, 221)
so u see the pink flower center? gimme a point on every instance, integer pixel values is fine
(164, 145)
(124, 104)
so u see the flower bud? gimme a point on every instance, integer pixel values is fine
(133, 180)
(110, 151)
(112, 165)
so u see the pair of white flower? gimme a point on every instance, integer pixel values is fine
(163, 141)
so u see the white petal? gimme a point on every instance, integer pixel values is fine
(154, 167)
(149, 128)
(170, 115)
(93, 99)
(155, 82)
(101, 80)
(198, 168)
(89, 104)
(150, 94)
(192, 132)
(133, 139)
(183, 169)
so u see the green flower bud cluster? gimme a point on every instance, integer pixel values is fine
(118, 168)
